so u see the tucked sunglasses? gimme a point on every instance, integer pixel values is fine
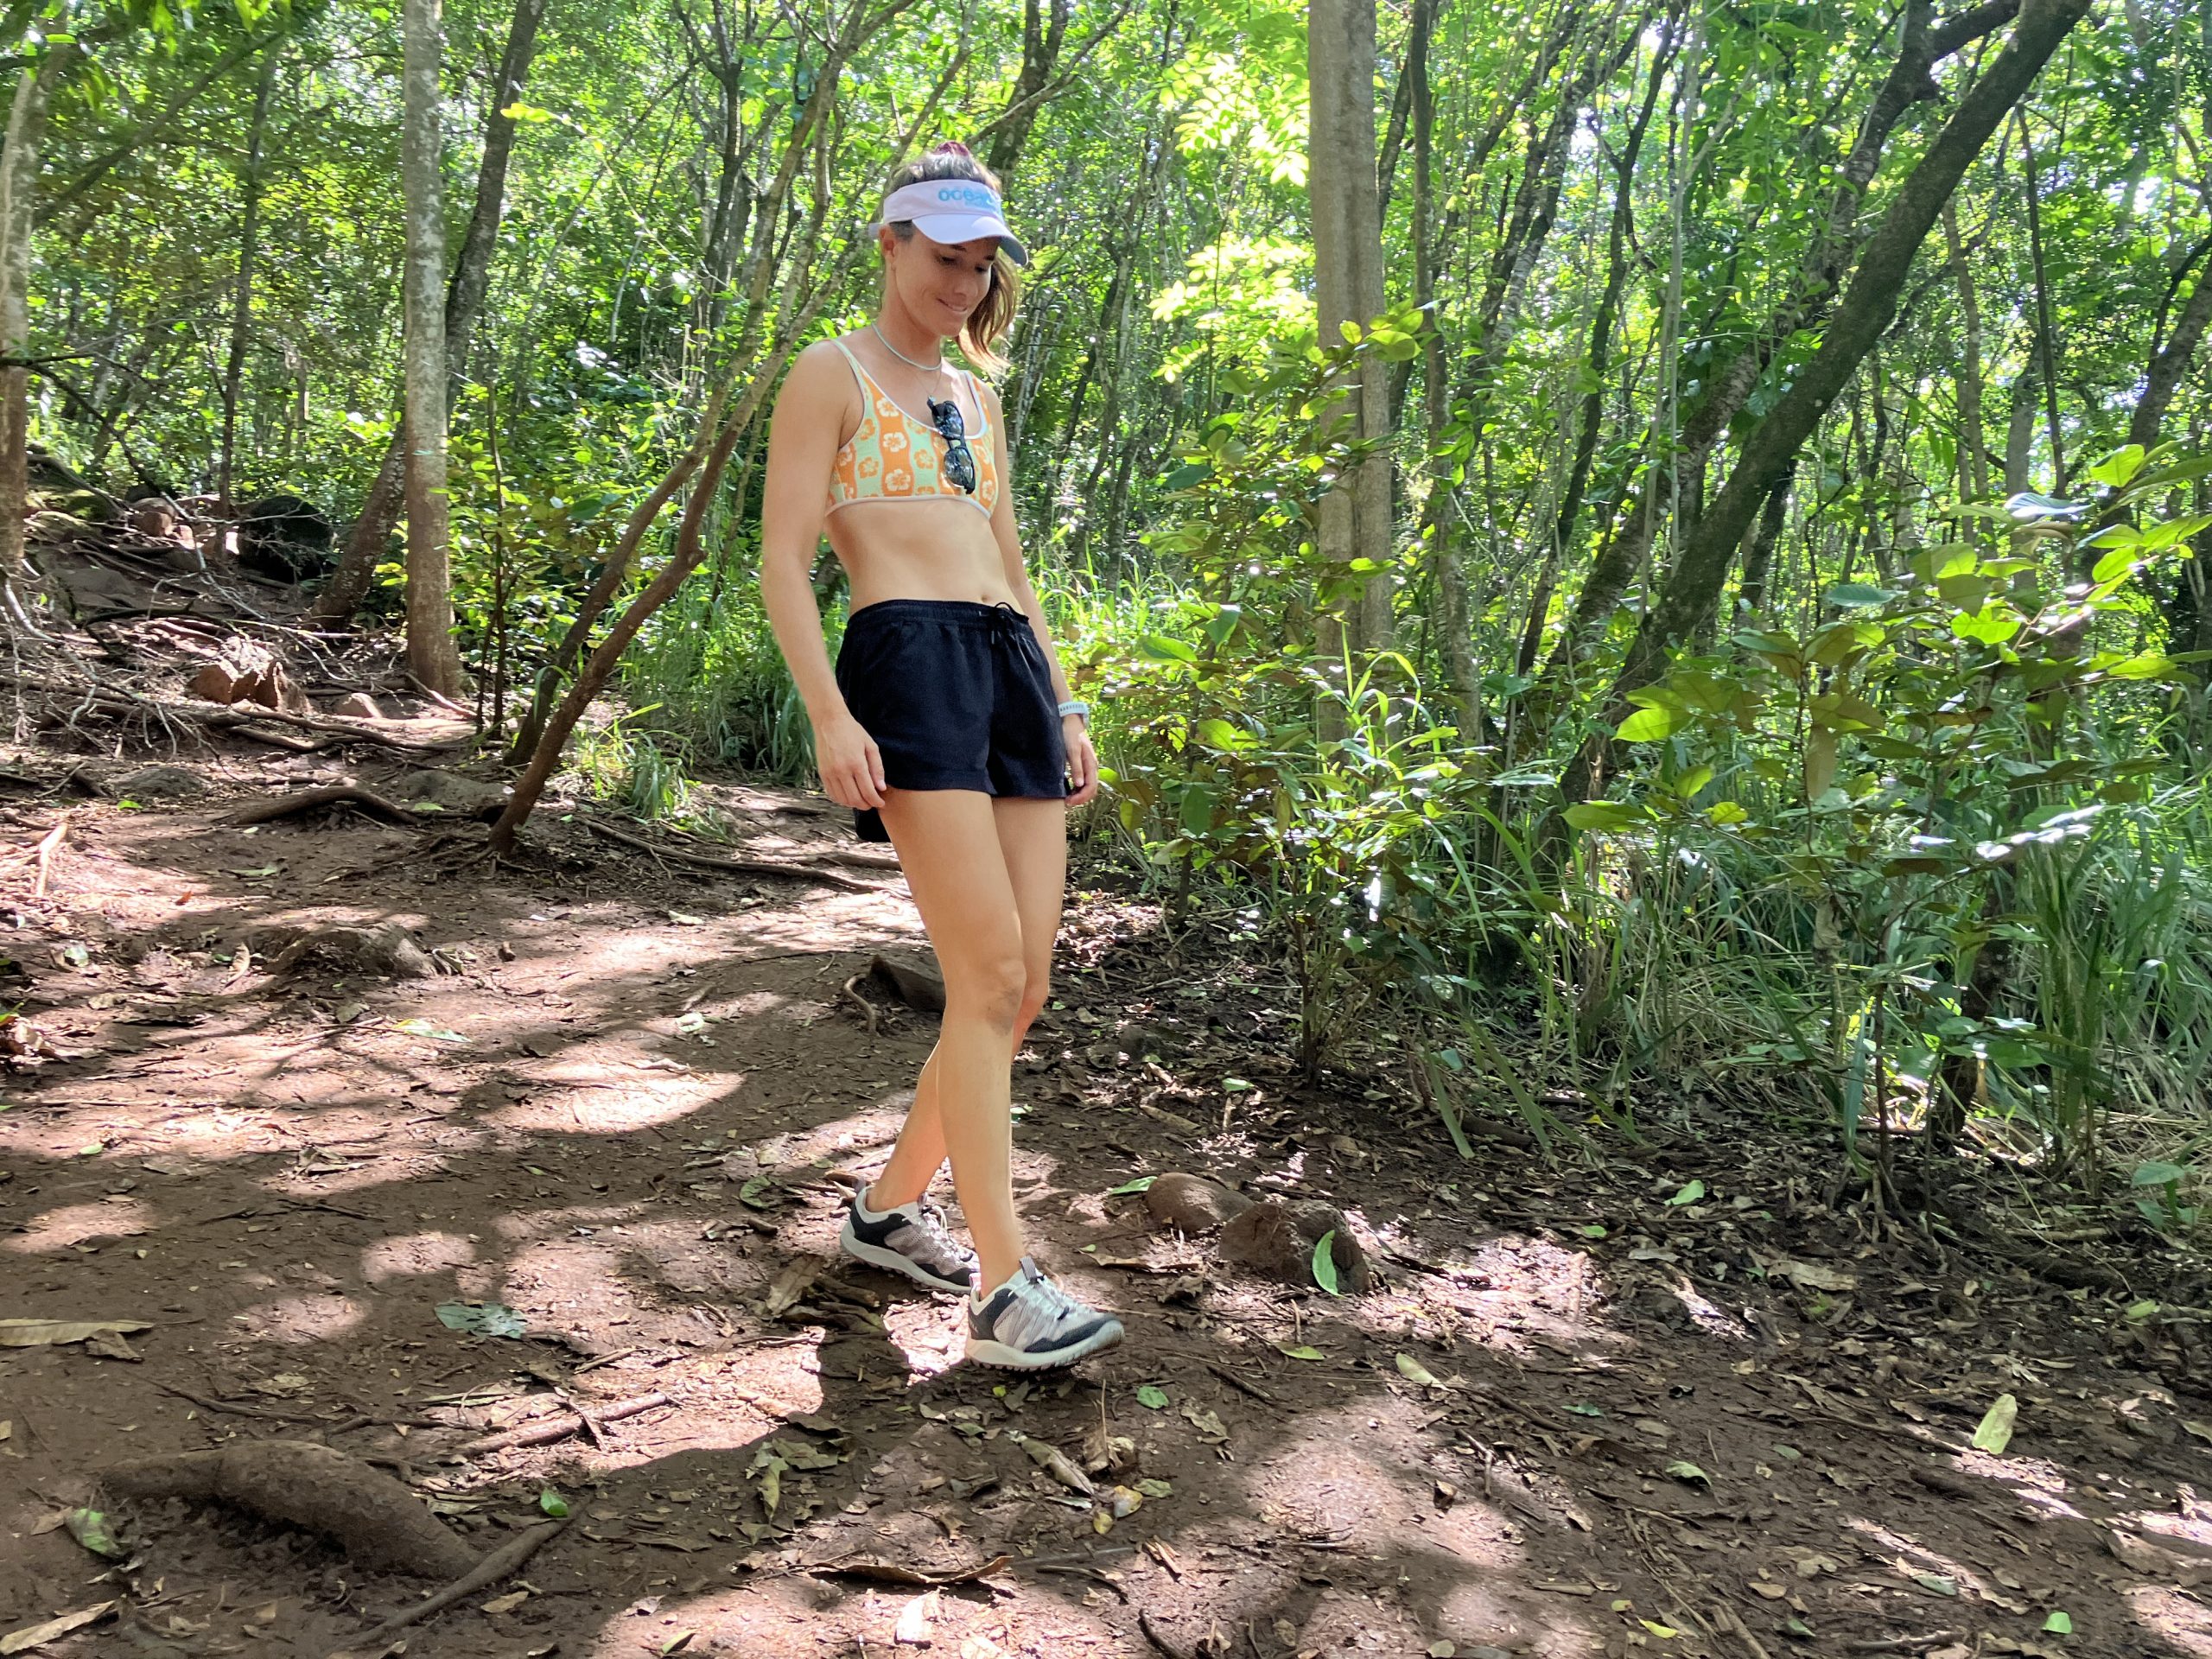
(959, 458)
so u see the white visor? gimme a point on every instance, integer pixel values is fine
(952, 210)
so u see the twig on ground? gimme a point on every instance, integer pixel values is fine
(559, 1428)
(851, 988)
(499, 1564)
(1732, 1621)
(1151, 1635)
(45, 852)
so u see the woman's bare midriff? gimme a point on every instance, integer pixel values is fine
(919, 550)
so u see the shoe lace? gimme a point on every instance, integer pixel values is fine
(1054, 1300)
(940, 1231)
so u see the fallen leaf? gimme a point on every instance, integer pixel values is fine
(1665, 1633)
(34, 1636)
(676, 1643)
(1941, 1583)
(40, 1334)
(1207, 1424)
(883, 1572)
(1302, 1352)
(915, 1622)
(1057, 1464)
(90, 1528)
(1811, 1275)
(1688, 1473)
(2059, 1625)
(1151, 1398)
(1126, 1188)
(1995, 1433)
(506, 1603)
(1414, 1372)
(553, 1503)
(484, 1319)
(429, 1028)
(1690, 1193)
(1324, 1262)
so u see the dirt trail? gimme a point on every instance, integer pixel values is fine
(621, 1110)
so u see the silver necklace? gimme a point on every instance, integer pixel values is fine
(936, 367)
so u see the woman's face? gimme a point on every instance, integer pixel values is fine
(939, 283)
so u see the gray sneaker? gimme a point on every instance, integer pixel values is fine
(910, 1239)
(1029, 1323)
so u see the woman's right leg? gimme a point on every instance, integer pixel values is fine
(947, 846)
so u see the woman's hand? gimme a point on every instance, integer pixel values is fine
(1083, 759)
(850, 764)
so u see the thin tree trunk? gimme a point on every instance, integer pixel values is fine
(1974, 446)
(1355, 518)
(432, 657)
(242, 303)
(1041, 39)
(1867, 306)
(364, 544)
(1758, 558)
(2046, 333)
(2020, 434)
(18, 180)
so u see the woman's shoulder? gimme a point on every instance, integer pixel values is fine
(817, 374)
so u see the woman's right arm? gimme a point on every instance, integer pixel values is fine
(802, 436)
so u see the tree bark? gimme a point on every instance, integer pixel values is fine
(1041, 39)
(242, 302)
(472, 276)
(1758, 558)
(18, 180)
(2170, 362)
(1355, 517)
(432, 656)
(1974, 446)
(1702, 566)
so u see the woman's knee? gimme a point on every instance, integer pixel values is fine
(1036, 989)
(994, 991)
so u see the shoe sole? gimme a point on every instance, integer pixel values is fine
(891, 1262)
(984, 1351)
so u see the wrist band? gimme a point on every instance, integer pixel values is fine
(1076, 706)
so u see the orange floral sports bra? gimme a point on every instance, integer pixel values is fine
(893, 457)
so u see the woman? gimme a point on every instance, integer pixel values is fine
(939, 725)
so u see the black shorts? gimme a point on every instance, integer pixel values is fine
(957, 695)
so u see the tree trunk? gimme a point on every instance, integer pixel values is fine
(432, 657)
(2170, 362)
(1349, 288)
(18, 179)
(242, 302)
(1040, 51)
(1758, 558)
(1974, 446)
(1702, 565)
(2046, 331)
(471, 276)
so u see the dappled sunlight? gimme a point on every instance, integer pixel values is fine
(416, 1254)
(577, 1105)
(299, 1321)
(79, 1224)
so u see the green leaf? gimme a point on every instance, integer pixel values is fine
(553, 1503)
(1688, 1473)
(1587, 1411)
(1605, 815)
(429, 1028)
(1858, 596)
(1127, 1187)
(1151, 1398)
(1995, 1433)
(1941, 1583)
(1161, 649)
(1990, 626)
(2116, 469)
(1414, 1371)
(2058, 1624)
(90, 1528)
(1689, 1194)
(1304, 1351)
(2156, 1174)
(1592, 1230)
(1648, 726)
(1664, 1632)
(488, 1319)
(1324, 1262)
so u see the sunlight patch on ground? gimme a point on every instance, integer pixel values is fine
(296, 1321)
(79, 1224)
(2173, 1617)
(587, 1102)
(415, 1255)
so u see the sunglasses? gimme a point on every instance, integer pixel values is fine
(959, 458)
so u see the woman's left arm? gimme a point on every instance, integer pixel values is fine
(1074, 729)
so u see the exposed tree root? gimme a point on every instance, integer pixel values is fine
(507, 1558)
(737, 866)
(378, 1522)
(306, 800)
(559, 1428)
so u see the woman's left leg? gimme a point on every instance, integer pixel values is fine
(1033, 837)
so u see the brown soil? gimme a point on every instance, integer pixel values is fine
(620, 1108)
